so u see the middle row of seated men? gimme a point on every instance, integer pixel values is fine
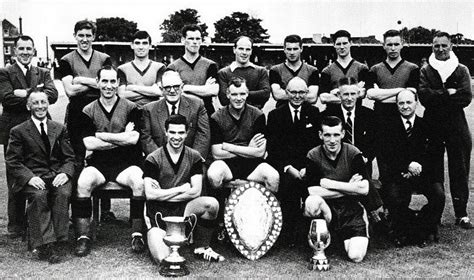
(171, 181)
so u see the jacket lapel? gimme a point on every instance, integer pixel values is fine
(34, 76)
(19, 75)
(35, 135)
(184, 108)
(52, 134)
(162, 113)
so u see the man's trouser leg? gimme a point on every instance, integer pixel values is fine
(16, 206)
(458, 147)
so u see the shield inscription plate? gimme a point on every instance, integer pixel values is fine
(252, 219)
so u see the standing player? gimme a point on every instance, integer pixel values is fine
(15, 81)
(385, 80)
(256, 77)
(344, 66)
(445, 90)
(173, 183)
(108, 127)
(198, 73)
(282, 73)
(77, 71)
(336, 174)
(139, 78)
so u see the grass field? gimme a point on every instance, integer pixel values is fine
(111, 257)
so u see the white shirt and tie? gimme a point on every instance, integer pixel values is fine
(173, 106)
(349, 117)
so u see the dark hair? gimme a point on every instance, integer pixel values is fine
(176, 119)
(33, 90)
(346, 81)
(293, 38)
(236, 82)
(85, 24)
(330, 121)
(190, 27)
(442, 34)
(24, 38)
(392, 33)
(241, 37)
(105, 67)
(414, 94)
(141, 34)
(341, 33)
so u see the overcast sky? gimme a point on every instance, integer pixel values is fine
(56, 18)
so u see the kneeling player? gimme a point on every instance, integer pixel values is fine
(336, 177)
(173, 183)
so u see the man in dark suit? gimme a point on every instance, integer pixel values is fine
(292, 130)
(358, 124)
(155, 114)
(410, 169)
(41, 162)
(15, 81)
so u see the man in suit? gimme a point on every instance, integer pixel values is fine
(155, 114)
(41, 162)
(410, 169)
(15, 81)
(358, 124)
(292, 130)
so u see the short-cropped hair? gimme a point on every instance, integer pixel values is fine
(190, 27)
(341, 33)
(105, 67)
(330, 121)
(176, 119)
(293, 38)
(85, 24)
(236, 82)
(241, 37)
(442, 34)
(24, 38)
(392, 33)
(141, 34)
(346, 81)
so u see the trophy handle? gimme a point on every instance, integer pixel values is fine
(159, 221)
(191, 222)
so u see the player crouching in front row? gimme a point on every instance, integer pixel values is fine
(173, 182)
(337, 177)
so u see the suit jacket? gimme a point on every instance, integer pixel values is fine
(14, 107)
(364, 128)
(287, 143)
(27, 156)
(153, 129)
(400, 150)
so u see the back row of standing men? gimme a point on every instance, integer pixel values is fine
(444, 89)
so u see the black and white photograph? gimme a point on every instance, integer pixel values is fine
(250, 139)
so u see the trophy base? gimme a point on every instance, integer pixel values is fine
(169, 269)
(318, 264)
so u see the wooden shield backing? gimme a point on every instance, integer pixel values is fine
(253, 219)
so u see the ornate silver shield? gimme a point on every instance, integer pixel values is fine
(252, 219)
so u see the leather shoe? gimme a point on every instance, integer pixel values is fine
(464, 223)
(138, 245)
(83, 247)
(47, 252)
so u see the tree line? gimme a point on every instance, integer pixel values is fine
(228, 28)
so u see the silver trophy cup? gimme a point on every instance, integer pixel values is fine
(174, 265)
(319, 239)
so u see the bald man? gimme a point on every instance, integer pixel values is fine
(292, 131)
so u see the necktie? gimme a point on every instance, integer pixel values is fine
(173, 110)
(348, 128)
(409, 128)
(45, 139)
(28, 76)
(296, 119)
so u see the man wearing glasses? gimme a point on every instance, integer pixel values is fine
(292, 130)
(153, 133)
(445, 90)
